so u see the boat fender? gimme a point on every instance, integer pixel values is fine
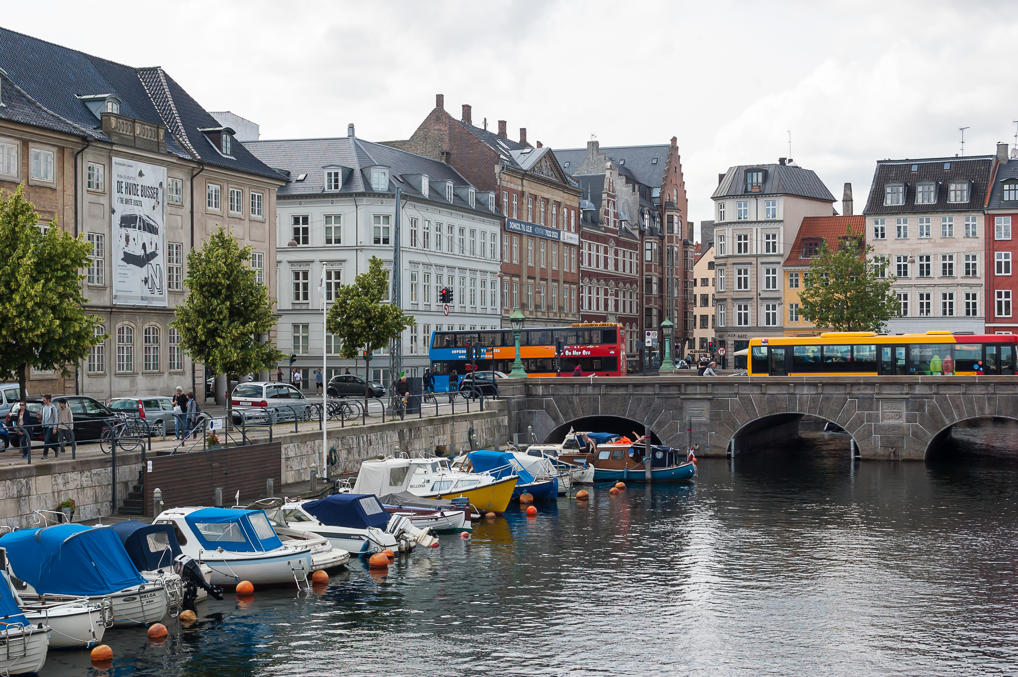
(333, 457)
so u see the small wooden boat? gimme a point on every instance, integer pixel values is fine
(620, 460)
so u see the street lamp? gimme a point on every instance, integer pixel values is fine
(516, 321)
(666, 330)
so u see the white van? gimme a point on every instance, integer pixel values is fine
(9, 394)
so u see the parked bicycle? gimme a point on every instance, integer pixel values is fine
(125, 433)
(337, 409)
(398, 404)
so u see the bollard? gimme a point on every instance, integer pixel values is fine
(270, 488)
(218, 498)
(157, 501)
(314, 477)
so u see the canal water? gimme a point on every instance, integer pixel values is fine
(789, 560)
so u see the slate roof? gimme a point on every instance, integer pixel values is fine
(637, 161)
(19, 107)
(312, 156)
(521, 156)
(54, 77)
(941, 171)
(826, 228)
(778, 180)
(592, 186)
(1005, 172)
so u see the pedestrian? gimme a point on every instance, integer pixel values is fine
(453, 383)
(65, 427)
(192, 415)
(428, 382)
(279, 374)
(577, 371)
(49, 426)
(346, 371)
(180, 414)
(318, 381)
(23, 426)
(709, 370)
(701, 366)
(296, 378)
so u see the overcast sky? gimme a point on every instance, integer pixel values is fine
(854, 81)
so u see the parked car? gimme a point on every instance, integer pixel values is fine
(348, 385)
(157, 410)
(477, 383)
(9, 394)
(90, 416)
(280, 401)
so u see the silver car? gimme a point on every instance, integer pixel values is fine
(157, 410)
(258, 400)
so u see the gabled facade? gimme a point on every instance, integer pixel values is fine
(925, 219)
(703, 301)
(1001, 290)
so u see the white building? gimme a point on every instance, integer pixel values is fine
(337, 210)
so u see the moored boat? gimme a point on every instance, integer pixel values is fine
(434, 478)
(356, 523)
(156, 553)
(539, 479)
(620, 460)
(23, 644)
(324, 555)
(388, 479)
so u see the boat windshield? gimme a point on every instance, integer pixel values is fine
(441, 485)
(466, 484)
(443, 464)
(221, 532)
(296, 516)
(371, 506)
(261, 525)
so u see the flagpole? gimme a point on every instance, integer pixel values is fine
(325, 382)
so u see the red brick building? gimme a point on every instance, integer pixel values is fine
(1002, 245)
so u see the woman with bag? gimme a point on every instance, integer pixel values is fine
(192, 415)
(179, 414)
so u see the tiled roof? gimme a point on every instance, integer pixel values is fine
(646, 164)
(940, 171)
(826, 228)
(19, 107)
(1005, 172)
(778, 179)
(521, 156)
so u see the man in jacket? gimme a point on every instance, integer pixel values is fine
(24, 423)
(49, 426)
(180, 414)
(65, 427)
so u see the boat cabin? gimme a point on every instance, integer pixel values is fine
(227, 528)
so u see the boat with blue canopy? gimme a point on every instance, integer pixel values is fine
(23, 645)
(70, 561)
(238, 545)
(503, 464)
(156, 554)
(357, 523)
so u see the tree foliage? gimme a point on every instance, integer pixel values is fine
(44, 322)
(842, 291)
(360, 320)
(225, 320)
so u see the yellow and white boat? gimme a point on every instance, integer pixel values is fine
(433, 478)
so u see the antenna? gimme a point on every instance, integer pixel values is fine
(1014, 149)
(962, 130)
(789, 131)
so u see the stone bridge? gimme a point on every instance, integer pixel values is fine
(888, 417)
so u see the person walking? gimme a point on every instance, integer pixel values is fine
(23, 426)
(428, 381)
(453, 383)
(180, 414)
(65, 427)
(192, 416)
(296, 379)
(318, 381)
(709, 369)
(279, 374)
(49, 426)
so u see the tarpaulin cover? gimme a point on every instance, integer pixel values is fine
(354, 511)
(10, 612)
(150, 546)
(384, 476)
(500, 464)
(603, 438)
(233, 529)
(71, 559)
(404, 499)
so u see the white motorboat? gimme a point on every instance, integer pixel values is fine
(434, 478)
(238, 545)
(356, 523)
(575, 472)
(60, 564)
(388, 478)
(23, 643)
(324, 555)
(156, 553)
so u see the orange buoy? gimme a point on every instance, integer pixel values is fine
(531, 510)
(527, 498)
(245, 588)
(613, 491)
(389, 553)
(319, 577)
(187, 617)
(620, 485)
(489, 515)
(101, 654)
(157, 631)
(378, 561)
(465, 535)
(582, 495)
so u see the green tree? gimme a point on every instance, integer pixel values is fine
(225, 320)
(45, 324)
(360, 320)
(843, 291)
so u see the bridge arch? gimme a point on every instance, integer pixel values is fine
(780, 427)
(998, 445)
(606, 423)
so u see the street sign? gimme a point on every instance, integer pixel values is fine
(722, 351)
(650, 338)
(445, 310)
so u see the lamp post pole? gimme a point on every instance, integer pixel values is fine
(666, 330)
(516, 320)
(325, 378)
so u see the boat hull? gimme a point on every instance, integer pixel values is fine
(439, 521)
(269, 569)
(137, 605)
(23, 650)
(679, 473)
(75, 625)
(492, 497)
(542, 490)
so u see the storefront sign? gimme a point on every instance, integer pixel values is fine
(514, 226)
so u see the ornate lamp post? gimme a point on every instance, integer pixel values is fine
(666, 330)
(516, 320)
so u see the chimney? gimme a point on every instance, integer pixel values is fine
(539, 144)
(523, 135)
(846, 200)
(349, 130)
(445, 156)
(1001, 152)
(593, 147)
(675, 142)
(782, 161)
(721, 177)
(440, 101)
(466, 113)
(501, 129)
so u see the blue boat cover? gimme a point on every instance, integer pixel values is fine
(150, 546)
(354, 511)
(10, 612)
(500, 464)
(603, 438)
(71, 559)
(233, 529)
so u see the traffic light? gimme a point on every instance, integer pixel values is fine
(293, 358)
(558, 347)
(445, 295)
(710, 346)
(470, 352)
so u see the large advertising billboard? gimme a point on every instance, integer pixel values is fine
(138, 217)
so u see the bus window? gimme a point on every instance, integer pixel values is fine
(991, 364)
(864, 358)
(805, 359)
(610, 335)
(759, 360)
(892, 360)
(1006, 359)
(966, 356)
(837, 359)
(778, 361)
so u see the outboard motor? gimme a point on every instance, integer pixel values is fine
(191, 575)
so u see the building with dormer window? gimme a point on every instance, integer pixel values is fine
(1001, 289)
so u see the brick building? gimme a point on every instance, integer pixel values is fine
(1001, 245)
(540, 201)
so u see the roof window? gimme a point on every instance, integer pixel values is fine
(425, 185)
(448, 191)
(302, 176)
(379, 179)
(754, 180)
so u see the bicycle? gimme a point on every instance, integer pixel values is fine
(123, 434)
(398, 404)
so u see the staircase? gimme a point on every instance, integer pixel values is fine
(134, 504)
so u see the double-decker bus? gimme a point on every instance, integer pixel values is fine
(599, 349)
(870, 354)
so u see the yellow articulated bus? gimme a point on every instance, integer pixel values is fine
(863, 353)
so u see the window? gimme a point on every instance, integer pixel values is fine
(236, 201)
(771, 209)
(125, 348)
(516, 249)
(742, 279)
(426, 235)
(770, 314)
(742, 210)
(414, 287)
(333, 229)
(414, 229)
(257, 205)
(810, 248)
(426, 288)
(971, 265)
(1010, 190)
(879, 229)
(516, 295)
(97, 353)
(175, 356)
(493, 247)
(1002, 297)
(971, 304)
(1002, 263)
(448, 191)
(721, 245)
(380, 181)
(754, 180)
(473, 242)
(879, 266)
(299, 230)
(333, 281)
(924, 227)
(901, 228)
(903, 303)
(542, 212)
(741, 243)
(300, 286)
(97, 259)
(381, 230)
(151, 348)
(543, 253)
(449, 240)
(770, 278)
(793, 312)
(924, 304)
(947, 304)
(516, 211)
(554, 256)
(175, 191)
(946, 226)
(721, 279)
(793, 280)
(923, 265)
(301, 337)
(258, 263)
(333, 179)
(332, 344)
(41, 165)
(96, 178)
(894, 195)
(721, 315)
(741, 314)
(213, 196)
(971, 227)
(530, 209)
(1001, 227)
(925, 193)
(770, 243)
(947, 265)
(438, 236)
(225, 142)
(901, 266)
(721, 211)
(530, 252)
(174, 266)
(10, 160)
(958, 191)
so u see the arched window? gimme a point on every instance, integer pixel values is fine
(125, 348)
(151, 354)
(97, 353)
